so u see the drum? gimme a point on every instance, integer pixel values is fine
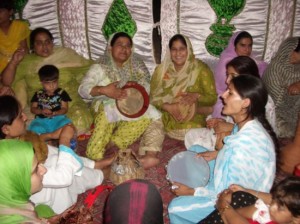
(187, 111)
(136, 103)
(186, 168)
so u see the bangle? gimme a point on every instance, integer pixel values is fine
(223, 210)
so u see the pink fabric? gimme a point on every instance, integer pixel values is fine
(220, 72)
(137, 207)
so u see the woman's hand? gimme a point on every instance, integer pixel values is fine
(213, 122)
(295, 57)
(208, 155)
(182, 190)
(223, 127)
(294, 89)
(113, 91)
(224, 199)
(189, 98)
(236, 187)
(6, 90)
(172, 108)
(18, 56)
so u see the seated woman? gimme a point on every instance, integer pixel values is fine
(68, 174)
(180, 87)
(102, 86)
(21, 175)
(22, 73)
(240, 44)
(13, 34)
(247, 158)
(212, 136)
(237, 205)
(282, 79)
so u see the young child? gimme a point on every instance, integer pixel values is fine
(68, 174)
(50, 105)
(281, 206)
(13, 33)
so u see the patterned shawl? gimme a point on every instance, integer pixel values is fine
(278, 76)
(171, 83)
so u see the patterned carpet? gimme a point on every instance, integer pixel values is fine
(156, 175)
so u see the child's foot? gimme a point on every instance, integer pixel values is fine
(105, 162)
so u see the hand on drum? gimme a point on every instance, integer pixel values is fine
(189, 98)
(181, 190)
(113, 91)
(172, 109)
(208, 155)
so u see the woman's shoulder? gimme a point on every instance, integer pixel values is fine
(20, 23)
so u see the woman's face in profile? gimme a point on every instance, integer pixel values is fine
(121, 50)
(230, 74)
(17, 127)
(179, 53)
(43, 45)
(244, 47)
(233, 103)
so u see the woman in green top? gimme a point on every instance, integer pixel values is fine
(22, 74)
(183, 89)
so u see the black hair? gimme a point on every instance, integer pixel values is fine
(253, 88)
(297, 49)
(10, 109)
(287, 193)
(7, 4)
(242, 35)
(177, 37)
(37, 31)
(48, 73)
(244, 65)
(120, 34)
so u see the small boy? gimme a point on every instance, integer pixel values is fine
(50, 105)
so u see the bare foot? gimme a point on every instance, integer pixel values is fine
(149, 161)
(102, 163)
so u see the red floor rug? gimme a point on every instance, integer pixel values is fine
(156, 175)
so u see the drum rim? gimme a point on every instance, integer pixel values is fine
(175, 156)
(145, 95)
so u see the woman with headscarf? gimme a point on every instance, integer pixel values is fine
(240, 44)
(22, 73)
(102, 86)
(282, 79)
(21, 176)
(182, 88)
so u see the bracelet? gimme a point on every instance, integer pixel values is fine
(223, 210)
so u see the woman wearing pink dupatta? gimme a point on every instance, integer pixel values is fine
(240, 44)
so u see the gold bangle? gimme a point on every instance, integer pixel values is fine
(223, 210)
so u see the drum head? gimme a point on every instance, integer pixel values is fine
(186, 168)
(136, 103)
